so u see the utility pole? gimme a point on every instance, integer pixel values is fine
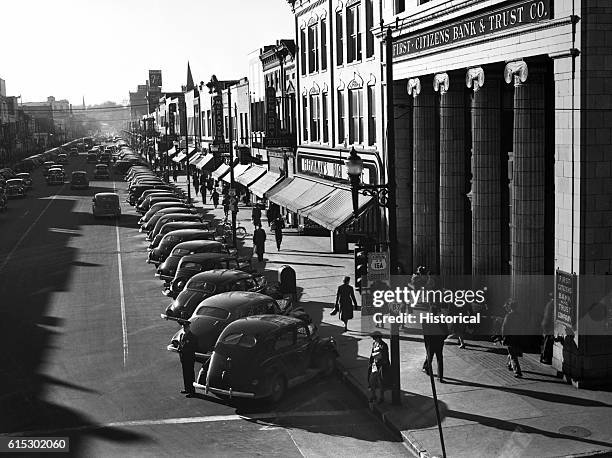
(231, 153)
(187, 148)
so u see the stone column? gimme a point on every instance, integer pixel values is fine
(452, 175)
(426, 176)
(485, 193)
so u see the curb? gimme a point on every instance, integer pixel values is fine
(413, 445)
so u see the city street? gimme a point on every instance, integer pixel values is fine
(84, 349)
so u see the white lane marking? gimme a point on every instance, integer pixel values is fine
(192, 420)
(121, 293)
(294, 442)
(25, 234)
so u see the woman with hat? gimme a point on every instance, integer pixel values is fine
(378, 367)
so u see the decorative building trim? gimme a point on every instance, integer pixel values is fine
(516, 71)
(309, 8)
(350, 3)
(414, 86)
(341, 84)
(325, 88)
(356, 82)
(315, 90)
(314, 18)
(441, 83)
(339, 7)
(372, 80)
(475, 77)
(290, 88)
(323, 15)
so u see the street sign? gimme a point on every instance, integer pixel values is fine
(232, 192)
(378, 266)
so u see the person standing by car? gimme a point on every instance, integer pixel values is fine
(277, 226)
(215, 198)
(256, 215)
(259, 241)
(378, 367)
(187, 348)
(345, 302)
(510, 338)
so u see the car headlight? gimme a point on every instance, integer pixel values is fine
(254, 382)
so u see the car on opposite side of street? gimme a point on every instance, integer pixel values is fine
(180, 223)
(79, 180)
(27, 179)
(159, 254)
(101, 172)
(92, 157)
(47, 165)
(106, 204)
(209, 283)
(62, 158)
(74, 152)
(55, 176)
(214, 313)
(105, 157)
(15, 187)
(262, 356)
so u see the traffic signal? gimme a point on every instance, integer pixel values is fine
(361, 267)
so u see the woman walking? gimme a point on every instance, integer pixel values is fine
(345, 302)
(196, 183)
(215, 198)
(378, 367)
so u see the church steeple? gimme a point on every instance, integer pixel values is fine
(190, 84)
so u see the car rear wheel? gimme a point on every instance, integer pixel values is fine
(278, 388)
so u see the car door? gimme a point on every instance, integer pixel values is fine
(283, 348)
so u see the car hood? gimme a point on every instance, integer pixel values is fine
(186, 302)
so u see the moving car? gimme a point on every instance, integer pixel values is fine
(167, 269)
(101, 172)
(62, 158)
(15, 187)
(27, 179)
(172, 239)
(79, 180)
(106, 204)
(92, 157)
(209, 283)
(193, 264)
(213, 314)
(55, 176)
(263, 356)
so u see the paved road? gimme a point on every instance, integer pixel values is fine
(83, 350)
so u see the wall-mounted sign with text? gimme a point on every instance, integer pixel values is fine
(331, 170)
(217, 113)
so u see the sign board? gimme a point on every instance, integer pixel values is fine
(378, 266)
(222, 148)
(155, 78)
(565, 298)
(271, 115)
(217, 114)
(279, 142)
(331, 169)
(512, 16)
(232, 192)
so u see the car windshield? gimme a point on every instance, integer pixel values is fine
(107, 198)
(202, 286)
(180, 252)
(213, 312)
(240, 339)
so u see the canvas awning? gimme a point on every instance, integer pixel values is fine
(265, 183)
(299, 193)
(180, 156)
(251, 175)
(336, 209)
(221, 171)
(172, 151)
(239, 169)
(205, 162)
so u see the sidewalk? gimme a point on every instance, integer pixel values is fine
(485, 411)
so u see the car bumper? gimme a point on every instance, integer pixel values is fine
(231, 393)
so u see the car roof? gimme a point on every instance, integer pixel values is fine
(262, 324)
(23, 174)
(199, 257)
(192, 244)
(183, 232)
(100, 166)
(106, 194)
(79, 172)
(233, 299)
(14, 179)
(220, 276)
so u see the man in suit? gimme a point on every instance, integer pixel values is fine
(378, 368)
(187, 349)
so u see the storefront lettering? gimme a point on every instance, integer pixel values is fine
(513, 16)
(335, 171)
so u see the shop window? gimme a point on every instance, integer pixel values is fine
(313, 48)
(323, 44)
(315, 121)
(369, 24)
(303, 51)
(371, 115)
(339, 39)
(399, 6)
(356, 116)
(353, 33)
(325, 118)
(341, 116)
(305, 119)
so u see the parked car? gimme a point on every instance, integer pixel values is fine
(153, 199)
(170, 218)
(26, 178)
(209, 283)
(152, 193)
(8, 173)
(150, 218)
(92, 157)
(175, 226)
(136, 191)
(264, 355)
(213, 314)
(172, 239)
(106, 204)
(15, 188)
(105, 157)
(62, 158)
(79, 180)
(74, 152)
(55, 176)
(167, 269)
(101, 172)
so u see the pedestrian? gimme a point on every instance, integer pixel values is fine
(187, 349)
(510, 338)
(210, 184)
(548, 329)
(459, 328)
(272, 213)
(345, 302)
(196, 183)
(226, 204)
(277, 226)
(203, 192)
(259, 242)
(378, 369)
(174, 174)
(434, 335)
(256, 215)
(215, 198)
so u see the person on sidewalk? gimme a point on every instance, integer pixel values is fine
(174, 174)
(187, 349)
(215, 198)
(345, 302)
(259, 242)
(196, 183)
(226, 204)
(510, 337)
(203, 192)
(548, 330)
(458, 329)
(378, 368)
(256, 215)
(277, 226)
(434, 335)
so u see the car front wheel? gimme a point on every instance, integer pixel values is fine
(278, 388)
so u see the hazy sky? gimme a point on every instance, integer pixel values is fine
(102, 49)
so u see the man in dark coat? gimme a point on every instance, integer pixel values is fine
(511, 328)
(226, 204)
(256, 215)
(378, 368)
(196, 183)
(259, 242)
(203, 192)
(215, 198)
(278, 225)
(345, 302)
(434, 335)
(187, 349)
(548, 329)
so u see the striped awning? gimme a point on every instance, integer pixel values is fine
(336, 209)
(299, 193)
(251, 175)
(265, 183)
(221, 171)
(205, 161)
(239, 169)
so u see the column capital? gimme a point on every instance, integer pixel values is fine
(475, 77)
(414, 87)
(516, 71)
(441, 83)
